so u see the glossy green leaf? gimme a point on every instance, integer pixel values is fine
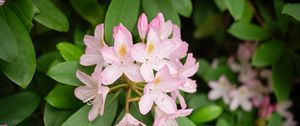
(80, 118)
(62, 96)
(90, 10)
(121, 11)
(55, 117)
(80, 30)
(153, 7)
(15, 108)
(292, 10)
(22, 69)
(45, 60)
(8, 42)
(183, 7)
(51, 16)
(247, 31)
(196, 101)
(204, 67)
(206, 114)
(245, 118)
(25, 10)
(65, 72)
(248, 13)
(225, 120)
(236, 8)
(69, 51)
(262, 56)
(184, 121)
(275, 120)
(215, 73)
(221, 4)
(282, 77)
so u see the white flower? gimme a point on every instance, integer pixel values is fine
(241, 97)
(220, 89)
(129, 120)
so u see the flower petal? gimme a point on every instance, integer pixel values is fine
(104, 91)
(165, 103)
(176, 32)
(86, 79)
(234, 105)
(189, 86)
(122, 38)
(95, 109)
(138, 52)
(246, 105)
(214, 95)
(143, 26)
(88, 59)
(146, 103)
(91, 42)
(109, 55)
(147, 72)
(111, 73)
(165, 49)
(85, 93)
(132, 71)
(166, 30)
(190, 71)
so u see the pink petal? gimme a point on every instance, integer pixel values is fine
(111, 73)
(166, 30)
(165, 103)
(85, 93)
(170, 85)
(138, 52)
(163, 72)
(109, 55)
(104, 91)
(234, 105)
(190, 71)
(153, 38)
(189, 86)
(176, 32)
(214, 95)
(246, 105)
(132, 71)
(171, 65)
(147, 72)
(99, 31)
(142, 26)
(96, 75)
(91, 42)
(176, 94)
(165, 48)
(146, 103)
(88, 59)
(180, 51)
(122, 38)
(86, 79)
(129, 120)
(95, 109)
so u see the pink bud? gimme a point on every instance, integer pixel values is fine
(143, 26)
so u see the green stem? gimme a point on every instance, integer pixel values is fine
(117, 87)
(128, 95)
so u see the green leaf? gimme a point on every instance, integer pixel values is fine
(247, 31)
(282, 77)
(225, 120)
(15, 108)
(236, 8)
(196, 101)
(206, 114)
(25, 10)
(69, 51)
(205, 66)
(51, 16)
(55, 117)
(215, 73)
(90, 10)
(121, 11)
(292, 10)
(248, 13)
(184, 121)
(80, 118)
(8, 42)
(65, 72)
(80, 30)
(221, 4)
(62, 96)
(183, 7)
(153, 7)
(22, 69)
(245, 118)
(135, 112)
(275, 120)
(45, 60)
(262, 56)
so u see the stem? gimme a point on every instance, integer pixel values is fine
(134, 99)
(117, 87)
(256, 14)
(139, 88)
(137, 91)
(127, 100)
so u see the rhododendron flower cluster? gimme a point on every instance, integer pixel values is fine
(150, 70)
(250, 92)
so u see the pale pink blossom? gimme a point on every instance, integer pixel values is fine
(2, 2)
(220, 89)
(153, 55)
(245, 51)
(129, 120)
(289, 122)
(164, 29)
(155, 92)
(266, 109)
(259, 90)
(143, 26)
(94, 44)
(282, 109)
(93, 92)
(246, 72)
(241, 97)
(181, 47)
(164, 119)
(119, 58)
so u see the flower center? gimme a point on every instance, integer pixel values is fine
(150, 48)
(122, 50)
(157, 80)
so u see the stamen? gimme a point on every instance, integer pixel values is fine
(122, 50)
(150, 47)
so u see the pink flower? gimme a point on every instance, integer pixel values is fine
(143, 26)
(93, 92)
(220, 89)
(181, 47)
(266, 109)
(153, 55)
(241, 97)
(259, 90)
(155, 92)
(94, 45)
(129, 120)
(164, 29)
(247, 74)
(289, 122)
(245, 51)
(164, 119)
(2, 2)
(282, 109)
(119, 58)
